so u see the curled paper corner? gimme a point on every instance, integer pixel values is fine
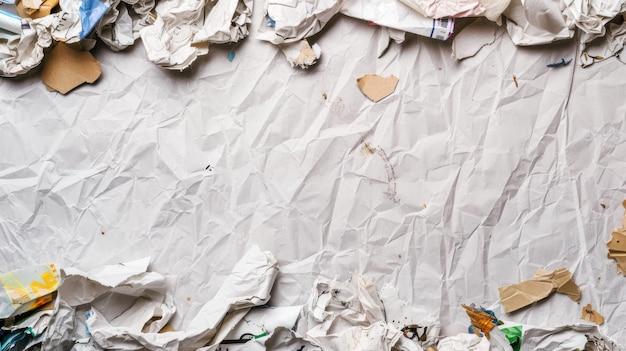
(65, 68)
(543, 283)
(617, 245)
(591, 315)
(301, 54)
(376, 87)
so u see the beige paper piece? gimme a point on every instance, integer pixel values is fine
(32, 4)
(617, 245)
(376, 87)
(65, 68)
(542, 284)
(592, 315)
(44, 9)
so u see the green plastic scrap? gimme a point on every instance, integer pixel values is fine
(514, 334)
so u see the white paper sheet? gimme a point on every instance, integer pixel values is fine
(493, 180)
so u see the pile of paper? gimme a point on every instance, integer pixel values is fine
(126, 307)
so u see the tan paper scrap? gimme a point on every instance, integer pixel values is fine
(65, 68)
(617, 245)
(376, 87)
(592, 315)
(542, 284)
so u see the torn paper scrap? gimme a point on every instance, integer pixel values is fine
(376, 87)
(301, 54)
(608, 46)
(472, 38)
(543, 283)
(294, 20)
(591, 315)
(617, 245)
(26, 289)
(396, 15)
(65, 68)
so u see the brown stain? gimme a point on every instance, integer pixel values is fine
(515, 81)
(366, 149)
(325, 96)
(603, 206)
(188, 298)
(101, 233)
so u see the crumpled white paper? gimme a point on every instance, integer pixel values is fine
(463, 342)
(119, 27)
(591, 16)
(23, 52)
(535, 22)
(184, 29)
(290, 21)
(492, 9)
(128, 306)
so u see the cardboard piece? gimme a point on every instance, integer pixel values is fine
(65, 69)
(44, 9)
(376, 87)
(617, 245)
(592, 315)
(543, 283)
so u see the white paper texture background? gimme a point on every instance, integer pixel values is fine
(456, 184)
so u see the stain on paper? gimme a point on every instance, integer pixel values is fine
(376, 87)
(591, 315)
(543, 283)
(391, 176)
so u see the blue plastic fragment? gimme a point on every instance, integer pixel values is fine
(560, 63)
(270, 22)
(91, 11)
(231, 56)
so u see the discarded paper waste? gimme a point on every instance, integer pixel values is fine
(175, 33)
(127, 307)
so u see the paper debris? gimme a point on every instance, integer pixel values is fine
(44, 9)
(592, 315)
(542, 284)
(65, 68)
(301, 54)
(32, 4)
(473, 38)
(376, 87)
(481, 320)
(463, 342)
(26, 289)
(617, 245)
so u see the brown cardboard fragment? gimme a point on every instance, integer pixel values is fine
(65, 68)
(376, 87)
(542, 284)
(44, 9)
(592, 315)
(617, 245)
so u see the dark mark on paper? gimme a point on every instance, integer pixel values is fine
(391, 176)
(560, 63)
